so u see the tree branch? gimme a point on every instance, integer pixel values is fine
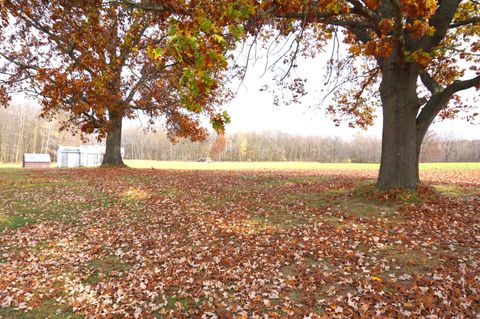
(432, 85)
(145, 78)
(330, 18)
(20, 64)
(96, 124)
(144, 5)
(441, 22)
(68, 50)
(456, 24)
(438, 102)
(362, 10)
(462, 85)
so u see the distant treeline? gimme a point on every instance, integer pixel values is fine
(279, 146)
(23, 131)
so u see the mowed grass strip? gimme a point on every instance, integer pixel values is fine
(285, 165)
(190, 165)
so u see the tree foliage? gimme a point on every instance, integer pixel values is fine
(438, 39)
(103, 60)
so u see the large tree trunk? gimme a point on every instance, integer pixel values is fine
(399, 161)
(113, 154)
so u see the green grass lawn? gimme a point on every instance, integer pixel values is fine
(272, 165)
(285, 165)
(10, 165)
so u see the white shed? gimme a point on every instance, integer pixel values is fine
(81, 156)
(36, 160)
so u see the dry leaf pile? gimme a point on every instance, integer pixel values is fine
(174, 244)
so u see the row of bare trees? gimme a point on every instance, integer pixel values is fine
(279, 146)
(252, 146)
(23, 131)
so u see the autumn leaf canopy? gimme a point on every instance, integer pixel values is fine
(101, 59)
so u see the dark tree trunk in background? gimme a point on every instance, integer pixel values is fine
(399, 161)
(113, 154)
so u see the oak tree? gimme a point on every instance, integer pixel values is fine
(103, 61)
(409, 57)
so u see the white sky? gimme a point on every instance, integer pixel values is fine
(253, 110)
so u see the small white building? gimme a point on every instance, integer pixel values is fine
(36, 160)
(81, 156)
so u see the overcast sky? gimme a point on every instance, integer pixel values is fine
(253, 110)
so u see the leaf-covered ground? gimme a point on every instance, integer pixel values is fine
(224, 244)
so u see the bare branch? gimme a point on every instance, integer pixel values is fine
(439, 101)
(19, 63)
(298, 39)
(432, 85)
(473, 21)
(463, 85)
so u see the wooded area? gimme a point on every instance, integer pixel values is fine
(23, 131)
(278, 146)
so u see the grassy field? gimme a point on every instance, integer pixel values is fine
(285, 165)
(272, 165)
(10, 165)
(245, 165)
(238, 240)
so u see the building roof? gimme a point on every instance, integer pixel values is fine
(82, 148)
(36, 158)
(99, 149)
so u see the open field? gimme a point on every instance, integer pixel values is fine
(248, 240)
(10, 165)
(295, 166)
(285, 165)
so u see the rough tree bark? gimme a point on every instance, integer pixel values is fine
(405, 123)
(113, 151)
(406, 119)
(398, 168)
